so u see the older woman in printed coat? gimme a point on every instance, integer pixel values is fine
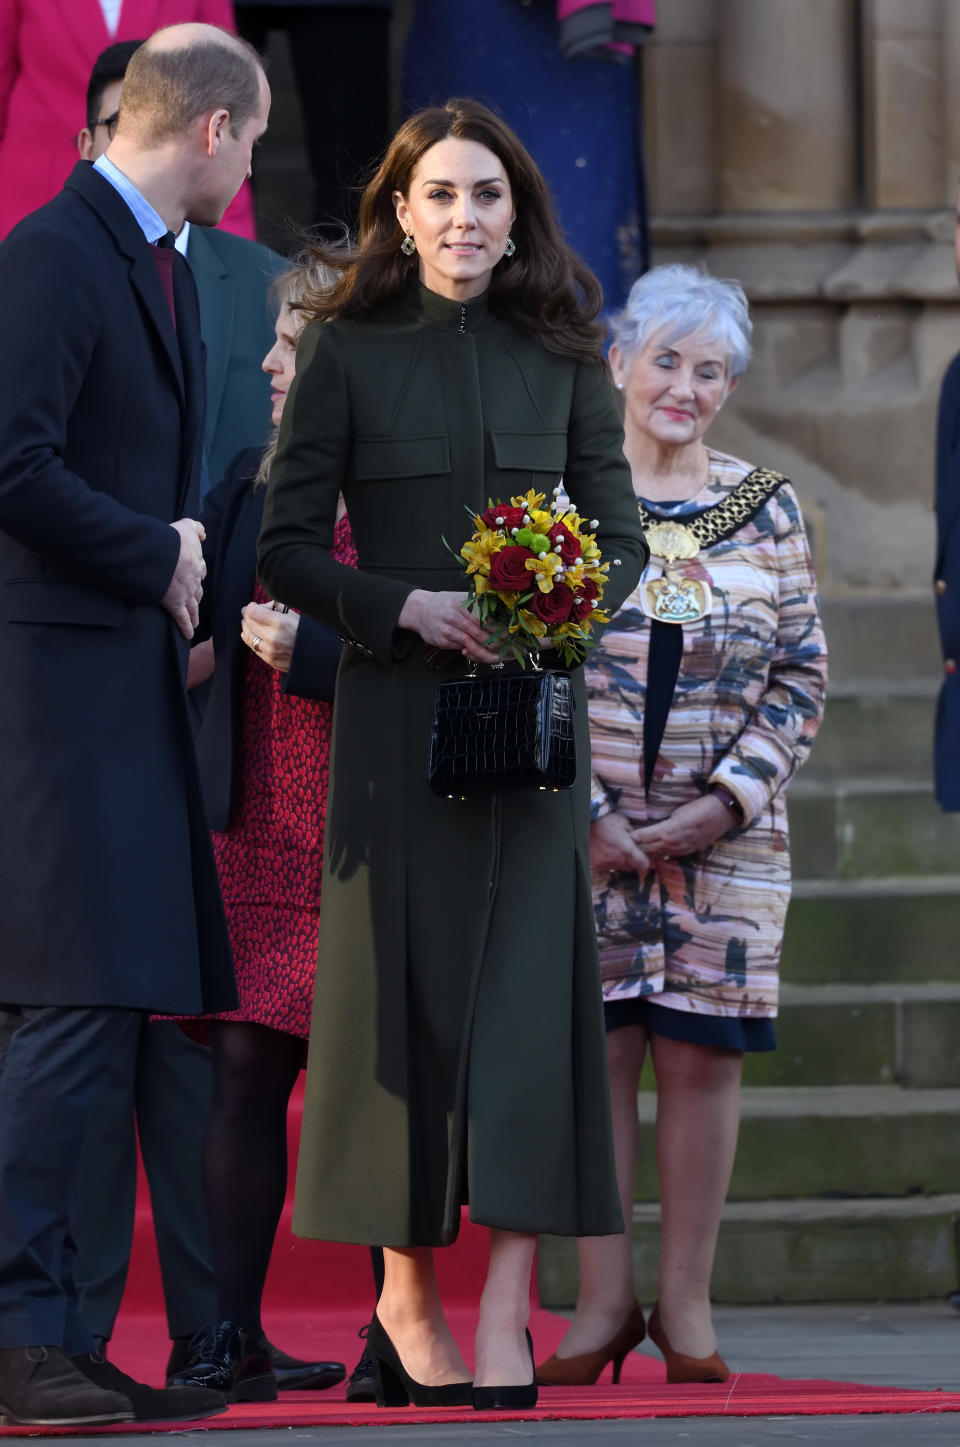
(705, 697)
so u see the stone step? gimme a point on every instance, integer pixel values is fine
(881, 637)
(821, 1141)
(867, 931)
(870, 827)
(872, 730)
(860, 1035)
(798, 1251)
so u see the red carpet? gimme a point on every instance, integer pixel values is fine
(319, 1295)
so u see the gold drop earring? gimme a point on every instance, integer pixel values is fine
(408, 246)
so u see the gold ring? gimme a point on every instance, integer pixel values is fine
(255, 644)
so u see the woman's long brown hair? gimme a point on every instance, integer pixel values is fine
(544, 288)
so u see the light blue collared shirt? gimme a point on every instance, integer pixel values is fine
(151, 224)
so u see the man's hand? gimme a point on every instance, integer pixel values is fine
(270, 634)
(612, 846)
(182, 598)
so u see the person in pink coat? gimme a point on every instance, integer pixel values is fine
(47, 50)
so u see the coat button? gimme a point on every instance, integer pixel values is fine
(950, 665)
(941, 586)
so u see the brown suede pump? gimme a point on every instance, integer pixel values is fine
(681, 1368)
(583, 1370)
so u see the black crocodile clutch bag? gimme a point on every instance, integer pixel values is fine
(507, 732)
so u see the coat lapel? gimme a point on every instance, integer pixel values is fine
(84, 21)
(120, 221)
(217, 291)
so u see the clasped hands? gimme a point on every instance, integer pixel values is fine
(442, 621)
(616, 845)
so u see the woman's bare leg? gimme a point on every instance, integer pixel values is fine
(411, 1313)
(607, 1292)
(503, 1359)
(698, 1118)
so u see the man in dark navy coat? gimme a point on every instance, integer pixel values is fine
(946, 582)
(110, 896)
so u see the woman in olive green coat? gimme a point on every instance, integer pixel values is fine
(458, 1052)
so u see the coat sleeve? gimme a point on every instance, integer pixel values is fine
(313, 666)
(306, 479)
(777, 738)
(44, 506)
(598, 482)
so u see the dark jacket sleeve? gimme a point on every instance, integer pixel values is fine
(306, 479)
(598, 482)
(313, 666)
(49, 298)
(212, 515)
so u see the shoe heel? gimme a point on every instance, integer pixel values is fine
(617, 1369)
(255, 1389)
(390, 1391)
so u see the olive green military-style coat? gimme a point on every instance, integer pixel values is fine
(457, 1052)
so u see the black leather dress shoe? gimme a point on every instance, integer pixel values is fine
(361, 1387)
(176, 1404)
(41, 1387)
(294, 1375)
(230, 1359)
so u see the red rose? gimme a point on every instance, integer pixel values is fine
(570, 549)
(508, 570)
(512, 517)
(585, 595)
(552, 607)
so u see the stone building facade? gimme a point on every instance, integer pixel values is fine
(812, 151)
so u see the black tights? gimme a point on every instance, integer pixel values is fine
(254, 1071)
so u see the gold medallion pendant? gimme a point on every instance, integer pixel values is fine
(672, 597)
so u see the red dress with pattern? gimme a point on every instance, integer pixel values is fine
(270, 859)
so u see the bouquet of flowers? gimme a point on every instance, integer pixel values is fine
(535, 575)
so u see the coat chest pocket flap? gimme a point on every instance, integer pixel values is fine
(43, 600)
(382, 458)
(530, 451)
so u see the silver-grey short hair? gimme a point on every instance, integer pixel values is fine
(674, 302)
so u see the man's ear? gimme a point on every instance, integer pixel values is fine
(85, 143)
(216, 130)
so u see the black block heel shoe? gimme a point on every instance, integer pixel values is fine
(395, 1387)
(508, 1399)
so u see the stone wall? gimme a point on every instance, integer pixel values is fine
(811, 150)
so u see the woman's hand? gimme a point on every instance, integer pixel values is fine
(442, 621)
(687, 830)
(200, 664)
(270, 634)
(613, 846)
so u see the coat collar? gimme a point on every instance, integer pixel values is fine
(448, 316)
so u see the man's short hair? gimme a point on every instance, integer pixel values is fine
(165, 88)
(109, 66)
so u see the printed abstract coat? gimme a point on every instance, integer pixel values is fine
(704, 933)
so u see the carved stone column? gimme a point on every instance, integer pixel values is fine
(787, 106)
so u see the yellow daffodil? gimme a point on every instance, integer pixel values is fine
(545, 567)
(530, 501)
(530, 621)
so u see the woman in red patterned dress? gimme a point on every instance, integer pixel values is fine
(264, 750)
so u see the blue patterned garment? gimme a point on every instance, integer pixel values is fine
(579, 118)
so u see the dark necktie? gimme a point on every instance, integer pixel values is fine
(163, 256)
